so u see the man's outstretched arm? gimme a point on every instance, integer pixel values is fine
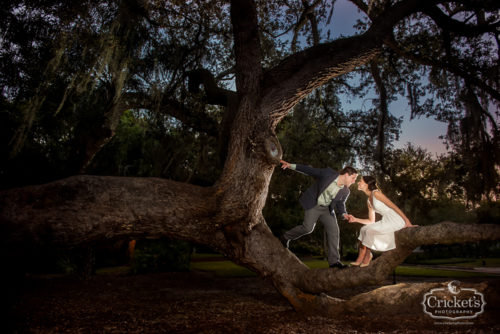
(307, 170)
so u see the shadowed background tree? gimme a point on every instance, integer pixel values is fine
(196, 97)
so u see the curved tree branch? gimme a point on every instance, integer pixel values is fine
(297, 75)
(447, 66)
(319, 280)
(84, 209)
(361, 5)
(307, 15)
(487, 5)
(199, 121)
(304, 288)
(215, 94)
(392, 299)
(448, 24)
(218, 96)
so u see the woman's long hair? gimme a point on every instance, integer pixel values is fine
(371, 182)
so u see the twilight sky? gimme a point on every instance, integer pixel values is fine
(423, 132)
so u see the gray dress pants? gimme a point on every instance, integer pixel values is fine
(329, 222)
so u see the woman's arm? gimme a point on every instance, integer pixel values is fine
(381, 197)
(370, 220)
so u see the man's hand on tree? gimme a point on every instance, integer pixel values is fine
(284, 164)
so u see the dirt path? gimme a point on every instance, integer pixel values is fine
(199, 303)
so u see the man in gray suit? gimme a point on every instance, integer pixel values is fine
(320, 201)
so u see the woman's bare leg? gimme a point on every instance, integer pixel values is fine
(361, 255)
(368, 257)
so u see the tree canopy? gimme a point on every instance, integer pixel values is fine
(209, 95)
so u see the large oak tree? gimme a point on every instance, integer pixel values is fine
(227, 216)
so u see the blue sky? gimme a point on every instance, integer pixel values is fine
(423, 132)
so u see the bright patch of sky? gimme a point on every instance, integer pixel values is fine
(423, 132)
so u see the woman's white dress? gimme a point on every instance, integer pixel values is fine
(379, 236)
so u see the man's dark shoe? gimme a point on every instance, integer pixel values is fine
(338, 265)
(285, 242)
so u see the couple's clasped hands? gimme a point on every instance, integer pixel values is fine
(350, 218)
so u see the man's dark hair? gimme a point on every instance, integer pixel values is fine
(348, 170)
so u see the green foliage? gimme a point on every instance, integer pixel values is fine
(452, 210)
(64, 70)
(488, 213)
(422, 186)
(309, 245)
(142, 146)
(162, 255)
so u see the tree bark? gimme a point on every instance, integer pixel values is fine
(227, 216)
(84, 209)
(383, 107)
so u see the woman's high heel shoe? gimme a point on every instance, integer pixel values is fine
(355, 263)
(362, 265)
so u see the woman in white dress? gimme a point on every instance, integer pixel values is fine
(377, 235)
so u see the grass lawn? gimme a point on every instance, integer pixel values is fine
(224, 268)
(221, 267)
(464, 262)
(206, 257)
(428, 272)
